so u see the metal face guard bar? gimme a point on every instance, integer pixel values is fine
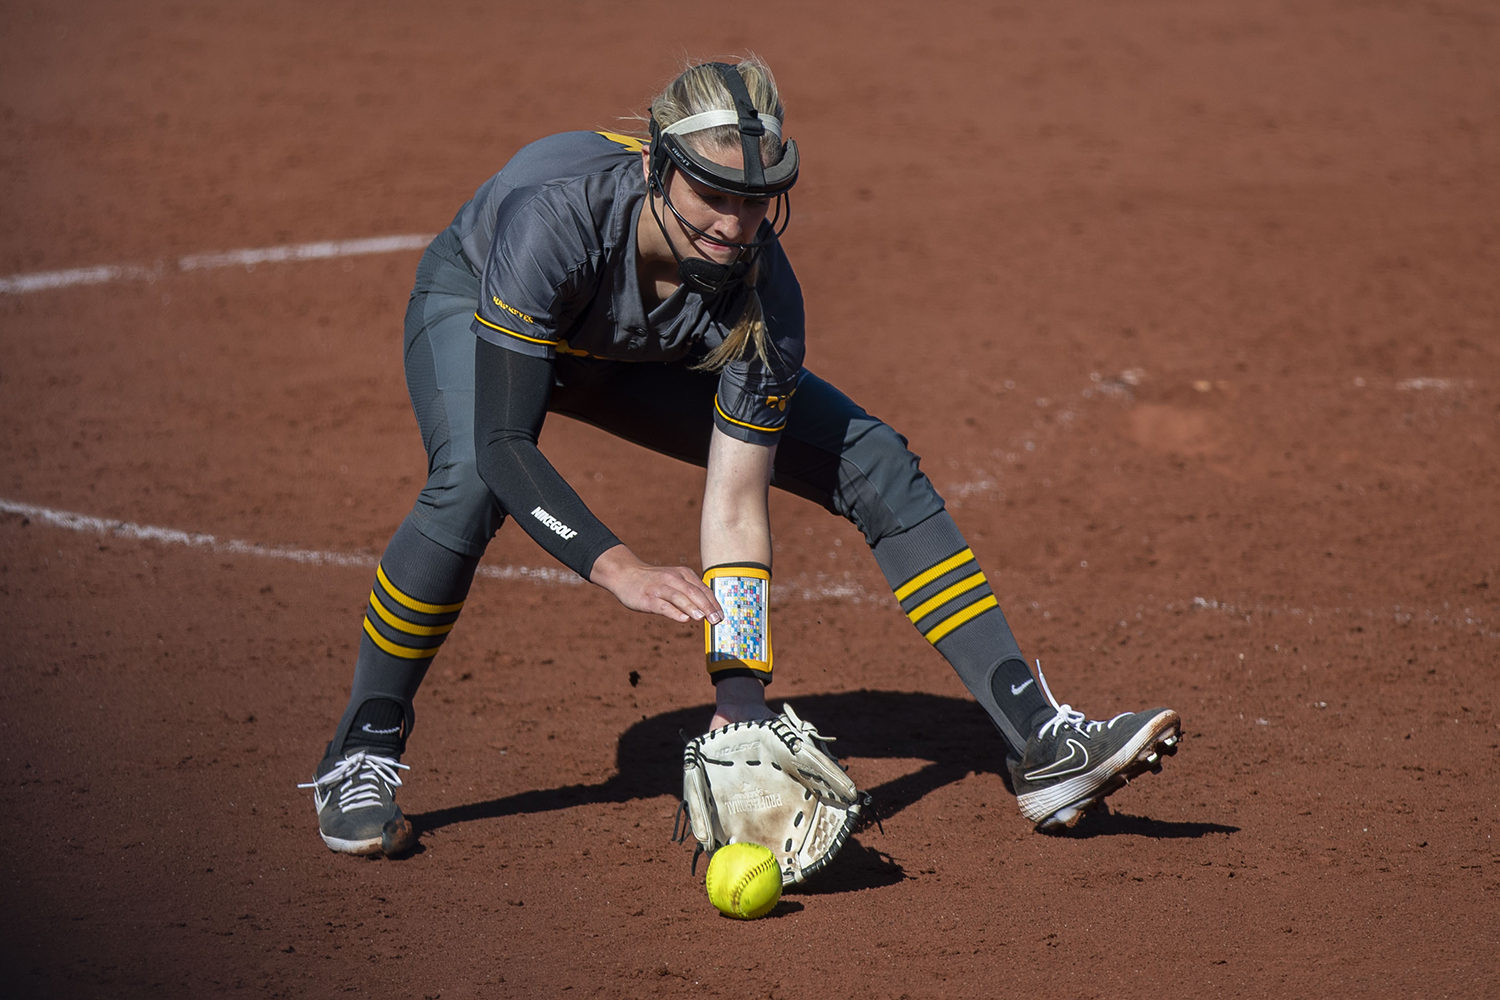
(710, 277)
(778, 219)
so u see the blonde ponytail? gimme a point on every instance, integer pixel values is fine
(746, 337)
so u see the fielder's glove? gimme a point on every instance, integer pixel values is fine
(771, 782)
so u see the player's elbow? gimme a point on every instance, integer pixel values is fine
(498, 460)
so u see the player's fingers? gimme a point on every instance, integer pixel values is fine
(659, 592)
(691, 604)
(669, 610)
(689, 596)
(705, 600)
(673, 592)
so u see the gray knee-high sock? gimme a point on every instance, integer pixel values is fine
(943, 591)
(420, 588)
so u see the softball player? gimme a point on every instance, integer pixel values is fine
(642, 288)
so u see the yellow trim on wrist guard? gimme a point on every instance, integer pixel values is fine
(740, 645)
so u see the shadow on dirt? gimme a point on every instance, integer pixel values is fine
(953, 733)
(858, 867)
(1099, 824)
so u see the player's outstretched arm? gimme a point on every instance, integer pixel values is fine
(736, 525)
(511, 392)
(510, 403)
(735, 543)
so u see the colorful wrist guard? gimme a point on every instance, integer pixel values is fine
(740, 645)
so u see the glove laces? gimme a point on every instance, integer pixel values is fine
(1067, 716)
(361, 775)
(806, 729)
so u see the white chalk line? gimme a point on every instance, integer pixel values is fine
(19, 284)
(1455, 617)
(806, 587)
(233, 546)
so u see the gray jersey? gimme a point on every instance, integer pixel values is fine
(556, 231)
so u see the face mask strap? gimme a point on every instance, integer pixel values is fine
(752, 129)
(669, 147)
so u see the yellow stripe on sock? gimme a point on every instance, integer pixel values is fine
(921, 580)
(411, 602)
(402, 625)
(954, 621)
(404, 652)
(930, 605)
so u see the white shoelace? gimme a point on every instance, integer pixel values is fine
(362, 773)
(1067, 715)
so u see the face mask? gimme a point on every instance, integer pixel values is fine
(670, 152)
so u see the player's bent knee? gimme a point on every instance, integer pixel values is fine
(881, 484)
(457, 509)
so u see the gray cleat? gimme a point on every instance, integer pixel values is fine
(1072, 763)
(356, 801)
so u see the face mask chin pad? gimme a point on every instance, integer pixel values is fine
(709, 278)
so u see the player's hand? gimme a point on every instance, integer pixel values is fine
(673, 592)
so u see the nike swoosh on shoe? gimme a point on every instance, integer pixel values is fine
(1018, 688)
(1076, 760)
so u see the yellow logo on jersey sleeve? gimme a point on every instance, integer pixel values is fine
(512, 310)
(779, 402)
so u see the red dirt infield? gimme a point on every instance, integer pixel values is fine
(1190, 308)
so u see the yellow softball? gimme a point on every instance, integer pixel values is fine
(744, 881)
